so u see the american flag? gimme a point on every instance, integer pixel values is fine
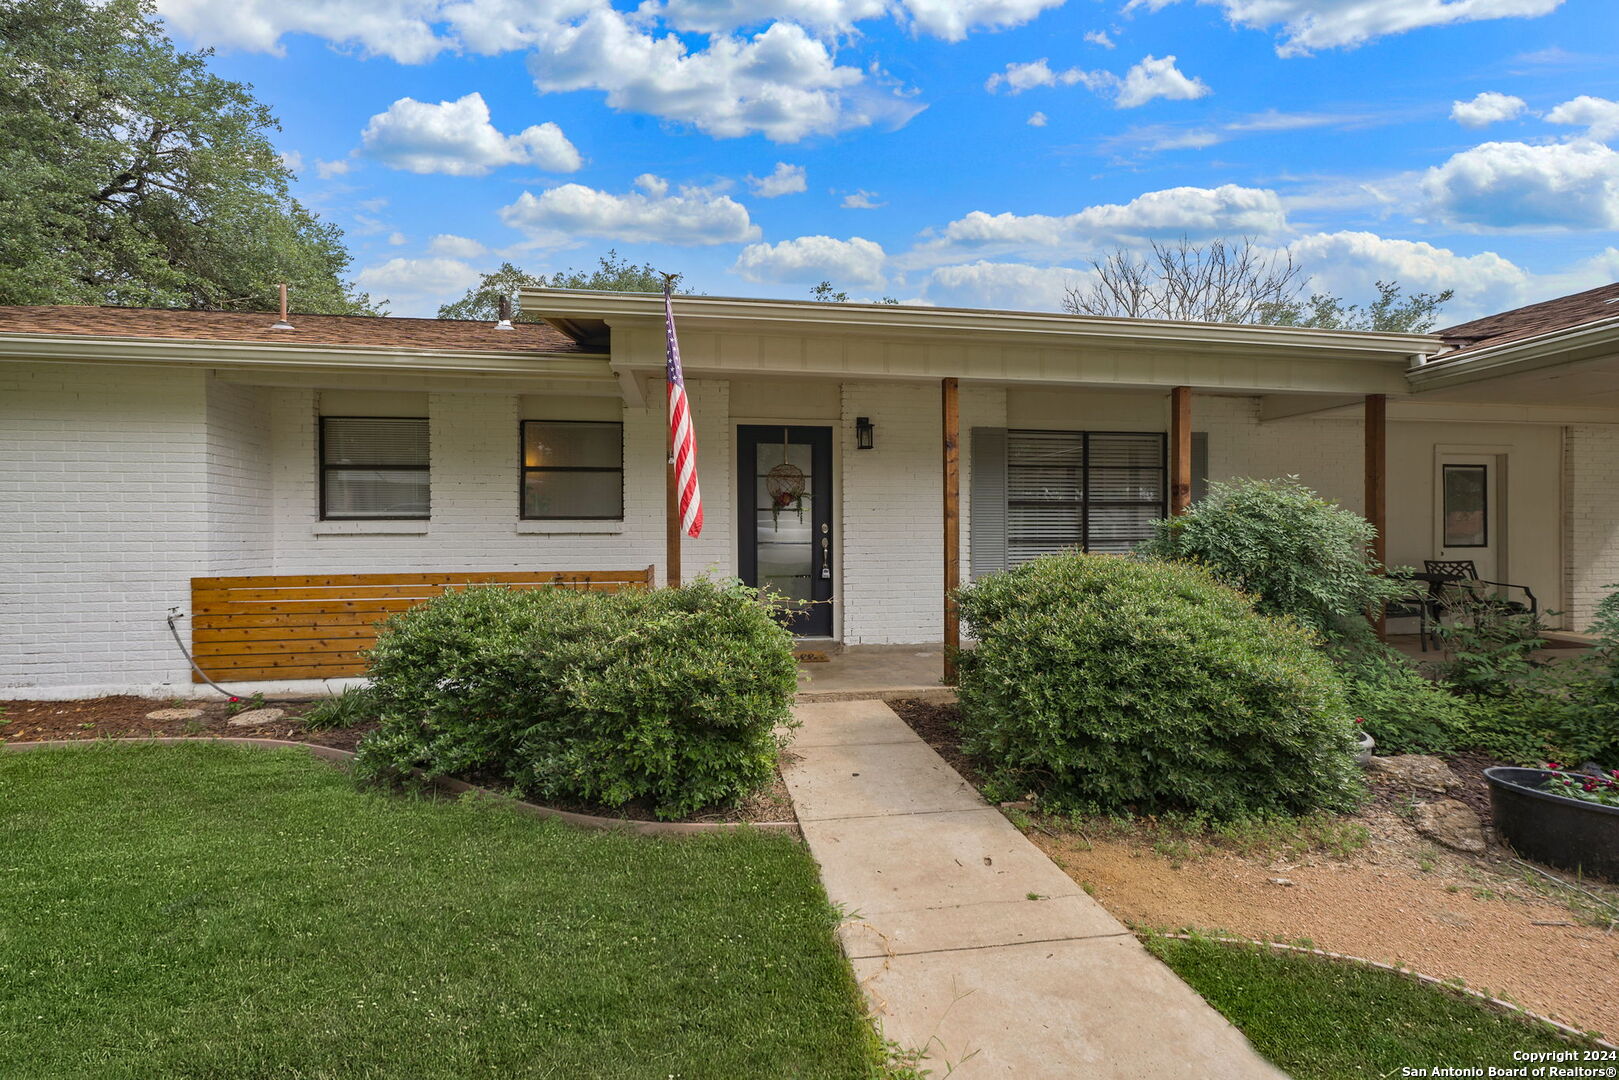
(682, 441)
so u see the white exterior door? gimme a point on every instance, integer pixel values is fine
(1468, 511)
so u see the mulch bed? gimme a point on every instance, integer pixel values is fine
(124, 717)
(1475, 790)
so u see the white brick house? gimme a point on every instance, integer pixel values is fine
(140, 449)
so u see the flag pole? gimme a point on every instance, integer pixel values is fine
(671, 557)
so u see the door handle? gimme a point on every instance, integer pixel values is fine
(826, 558)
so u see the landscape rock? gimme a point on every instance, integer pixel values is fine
(174, 714)
(255, 717)
(1415, 770)
(1451, 823)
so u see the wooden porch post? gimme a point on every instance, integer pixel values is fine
(671, 507)
(951, 416)
(1180, 450)
(1377, 486)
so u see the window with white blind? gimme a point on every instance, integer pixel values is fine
(373, 468)
(1039, 492)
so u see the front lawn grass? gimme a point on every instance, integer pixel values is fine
(215, 911)
(1320, 1019)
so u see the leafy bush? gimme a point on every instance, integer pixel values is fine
(1291, 550)
(1492, 646)
(1403, 711)
(1109, 684)
(1592, 711)
(1524, 727)
(668, 696)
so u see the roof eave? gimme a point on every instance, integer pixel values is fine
(1563, 345)
(606, 308)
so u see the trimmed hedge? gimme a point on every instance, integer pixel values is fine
(667, 696)
(1108, 683)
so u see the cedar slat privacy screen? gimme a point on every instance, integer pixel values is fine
(1038, 492)
(373, 467)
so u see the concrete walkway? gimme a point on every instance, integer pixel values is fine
(968, 941)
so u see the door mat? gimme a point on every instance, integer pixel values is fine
(810, 656)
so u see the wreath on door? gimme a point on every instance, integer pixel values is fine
(785, 484)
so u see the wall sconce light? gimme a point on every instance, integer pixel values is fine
(864, 433)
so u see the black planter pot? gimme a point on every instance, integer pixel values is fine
(1554, 829)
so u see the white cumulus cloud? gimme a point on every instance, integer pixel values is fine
(1008, 285)
(1514, 185)
(456, 247)
(862, 200)
(417, 286)
(690, 216)
(781, 83)
(1487, 108)
(948, 19)
(1349, 264)
(1099, 37)
(954, 19)
(1198, 213)
(1019, 77)
(784, 180)
(1599, 116)
(1308, 25)
(457, 138)
(1156, 77)
(402, 30)
(856, 261)
(1037, 119)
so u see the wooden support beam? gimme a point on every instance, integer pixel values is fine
(1180, 450)
(671, 508)
(951, 428)
(1377, 485)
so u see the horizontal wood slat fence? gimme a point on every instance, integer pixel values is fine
(249, 629)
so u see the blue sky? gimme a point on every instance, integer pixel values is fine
(976, 152)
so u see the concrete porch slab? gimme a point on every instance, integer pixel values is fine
(860, 672)
(1101, 1009)
(872, 779)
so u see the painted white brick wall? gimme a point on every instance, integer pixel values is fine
(1592, 477)
(893, 536)
(104, 486)
(1328, 455)
(475, 514)
(240, 510)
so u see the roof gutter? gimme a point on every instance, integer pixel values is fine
(1515, 357)
(561, 306)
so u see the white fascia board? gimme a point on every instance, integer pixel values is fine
(276, 356)
(1512, 357)
(741, 315)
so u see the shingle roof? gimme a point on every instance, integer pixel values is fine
(438, 335)
(1593, 305)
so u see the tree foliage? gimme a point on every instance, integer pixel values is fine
(129, 174)
(612, 273)
(1229, 281)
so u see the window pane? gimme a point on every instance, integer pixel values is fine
(376, 493)
(1129, 451)
(373, 441)
(1466, 506)
(573, 495)
(1138, 485)
(553, 445)
(1118, 529)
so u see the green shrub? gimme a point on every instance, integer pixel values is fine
(1492, 646)
(668, 696)
(1592, 712)
(1403, 711)
(1104, 683)
(1524, 727)
(1291, 550)
(355, 705)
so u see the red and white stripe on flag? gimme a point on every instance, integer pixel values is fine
(682, 439)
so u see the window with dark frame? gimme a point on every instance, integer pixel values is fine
(1091, 490)
(1467, 506)
(374, 468)
(572, 470)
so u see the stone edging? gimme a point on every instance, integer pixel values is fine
(1407, 972)
(455, 787)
